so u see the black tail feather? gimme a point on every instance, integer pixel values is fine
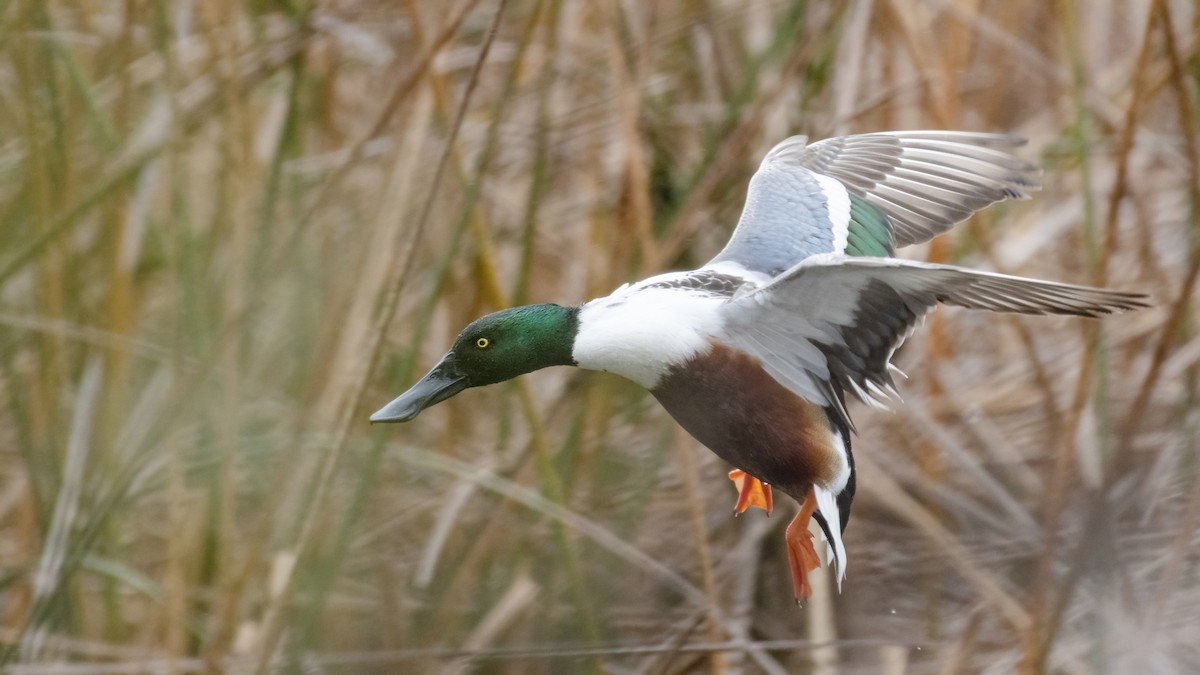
(846, 496)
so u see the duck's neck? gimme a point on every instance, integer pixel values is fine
(549, 334)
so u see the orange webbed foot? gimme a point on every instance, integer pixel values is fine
(802, 555)
(751, 492)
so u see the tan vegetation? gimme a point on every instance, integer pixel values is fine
(232, 230)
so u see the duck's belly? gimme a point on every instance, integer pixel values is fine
(727, 401)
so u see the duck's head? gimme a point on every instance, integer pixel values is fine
(493, 348)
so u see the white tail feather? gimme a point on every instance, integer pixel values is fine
(827, 505)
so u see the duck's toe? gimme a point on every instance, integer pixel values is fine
(751, 492)
(802, 555)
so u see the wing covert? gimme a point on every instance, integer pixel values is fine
(832, 322)
(869, 193)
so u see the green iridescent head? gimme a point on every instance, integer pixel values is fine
(493, 348)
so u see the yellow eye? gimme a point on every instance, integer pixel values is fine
(483, 343)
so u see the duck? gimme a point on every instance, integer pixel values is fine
(754, 352)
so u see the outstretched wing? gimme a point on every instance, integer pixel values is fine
(832, 322)
(868, 193)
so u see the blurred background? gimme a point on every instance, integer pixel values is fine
(230, 231)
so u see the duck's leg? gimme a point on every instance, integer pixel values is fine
(751, 492)
(802, 556)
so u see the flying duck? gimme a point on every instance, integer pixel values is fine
(753, 353)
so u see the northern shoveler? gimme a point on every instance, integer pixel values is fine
(753, 352)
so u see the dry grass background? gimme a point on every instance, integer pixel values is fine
(232, 230)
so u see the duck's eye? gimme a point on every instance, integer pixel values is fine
(483, 343)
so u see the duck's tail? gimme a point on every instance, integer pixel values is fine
(828, 512)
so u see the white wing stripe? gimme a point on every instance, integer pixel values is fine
(838, 205)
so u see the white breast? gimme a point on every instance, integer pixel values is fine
(640, 332)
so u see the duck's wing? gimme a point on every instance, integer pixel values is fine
(711, 282)
(831, 323)
(867, 194)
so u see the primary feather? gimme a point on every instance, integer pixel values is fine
(870, 193)
(832, 322)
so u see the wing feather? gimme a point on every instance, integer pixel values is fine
(831, 323)
(924, 182)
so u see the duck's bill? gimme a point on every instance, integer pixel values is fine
(444, 381)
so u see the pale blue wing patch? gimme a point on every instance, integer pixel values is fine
(785, 219)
